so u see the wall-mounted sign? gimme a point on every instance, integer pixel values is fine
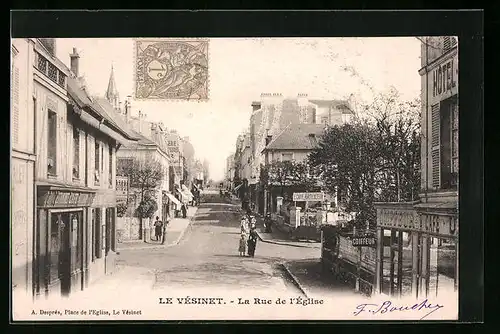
(311, 197)
(444, 77)
(364, 241)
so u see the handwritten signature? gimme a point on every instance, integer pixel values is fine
(388, 306)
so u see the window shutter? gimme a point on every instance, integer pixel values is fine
(15, 105)
(435, 141)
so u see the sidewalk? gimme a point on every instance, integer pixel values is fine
(310, 278)
(174, 233)
(282, 238)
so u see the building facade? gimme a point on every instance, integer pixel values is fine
(417, 250)
(273, 113)
(23, 157)
(72, 151)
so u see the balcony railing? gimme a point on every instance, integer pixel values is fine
(122, 185)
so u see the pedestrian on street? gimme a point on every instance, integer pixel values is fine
(158, 228)
(184, 210)
(252, 242)
(243, 244)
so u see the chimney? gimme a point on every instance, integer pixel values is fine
(74, 62)
(255, 106)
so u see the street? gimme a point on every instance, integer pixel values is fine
(207, 255)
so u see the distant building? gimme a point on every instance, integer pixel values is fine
(273, 113)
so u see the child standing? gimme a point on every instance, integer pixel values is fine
(243, 245)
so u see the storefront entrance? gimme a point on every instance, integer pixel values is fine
(65, 247)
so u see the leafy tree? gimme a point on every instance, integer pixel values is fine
(121, 209)
(347, 158)
(374, 158)
(147, 207)
(288, 174)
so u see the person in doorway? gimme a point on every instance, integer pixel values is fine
(158, 228)
(252, 242)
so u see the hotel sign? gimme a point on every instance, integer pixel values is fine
(445, 77)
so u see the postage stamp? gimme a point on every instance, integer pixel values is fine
(170, 69)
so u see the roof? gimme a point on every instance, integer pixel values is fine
(108, 112)
(297, 137)
(340, 104)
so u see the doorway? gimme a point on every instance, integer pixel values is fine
(60, 250)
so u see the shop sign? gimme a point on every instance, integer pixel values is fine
(309, 197)
(364, 241)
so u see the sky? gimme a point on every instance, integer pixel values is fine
(241, 69)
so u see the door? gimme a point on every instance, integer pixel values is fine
(60, 251)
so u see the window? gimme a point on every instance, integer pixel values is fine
(286, 156)
(76, 153)
(324, 120)
(52, 143)
(97, 162)
(110, 166)
(96, 234)
(444, 144)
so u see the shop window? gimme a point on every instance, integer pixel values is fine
(57, 227)
(52, 143)
(76, 219)
(76, 153)
(97, 163)
(397, 263)
(442, 266)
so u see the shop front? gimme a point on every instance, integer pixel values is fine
(60, 239)
(417, 249)
(102, 234)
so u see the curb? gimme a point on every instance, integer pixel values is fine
(295, 280)
(174, 243)
(283, 243)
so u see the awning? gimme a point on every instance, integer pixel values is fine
(173, 199)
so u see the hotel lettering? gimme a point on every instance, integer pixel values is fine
(444, 78)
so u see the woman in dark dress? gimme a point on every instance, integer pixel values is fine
(252, 242)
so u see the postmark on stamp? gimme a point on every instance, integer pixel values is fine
(169, 69)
